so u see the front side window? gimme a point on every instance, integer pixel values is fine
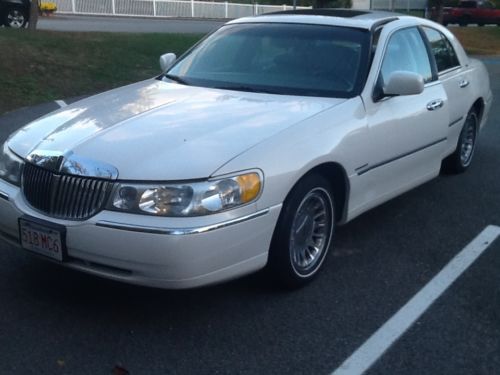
(290, 59)
(443, 51)
(406, 51)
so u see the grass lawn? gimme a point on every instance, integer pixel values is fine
(41, 66)
(479, 40)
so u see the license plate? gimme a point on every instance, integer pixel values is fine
(42, 239)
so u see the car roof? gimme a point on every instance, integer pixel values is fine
(364, 19)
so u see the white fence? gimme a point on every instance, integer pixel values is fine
(205, 9)
(398, 5)
(165, 8)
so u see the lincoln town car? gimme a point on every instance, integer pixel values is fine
(247, 151)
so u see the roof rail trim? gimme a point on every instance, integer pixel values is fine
(329, 12)
(382, 22)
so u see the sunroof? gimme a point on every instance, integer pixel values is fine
(344, 13)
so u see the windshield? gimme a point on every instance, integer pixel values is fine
(289, 59)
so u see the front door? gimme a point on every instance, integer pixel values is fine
(407, 133)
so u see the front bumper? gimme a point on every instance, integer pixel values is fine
(160, 252)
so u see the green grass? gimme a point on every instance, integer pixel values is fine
(479, 40)
(42, 66)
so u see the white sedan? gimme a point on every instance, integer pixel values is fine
(247, 151)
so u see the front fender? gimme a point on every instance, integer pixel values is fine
(333, 135)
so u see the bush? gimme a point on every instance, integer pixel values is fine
(48, 6)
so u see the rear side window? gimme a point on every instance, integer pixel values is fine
(443, 51)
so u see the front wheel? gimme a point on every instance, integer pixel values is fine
(304, 232)
(15, 18)
(460, 160)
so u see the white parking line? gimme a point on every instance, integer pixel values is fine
(61, 103)
(398, 324)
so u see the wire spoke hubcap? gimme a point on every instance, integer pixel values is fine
(311, 230)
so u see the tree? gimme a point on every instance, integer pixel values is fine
(439, 6)
(436, 10)
(34, 10)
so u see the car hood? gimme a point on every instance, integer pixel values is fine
(155, 130)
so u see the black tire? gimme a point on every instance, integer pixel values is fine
(464, 21)
(15, 17)
(460, 160)
(304, 233)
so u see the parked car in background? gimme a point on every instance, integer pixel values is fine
(247, 151)
(467, 12)
(14, 13)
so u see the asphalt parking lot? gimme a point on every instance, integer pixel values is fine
(58, 321)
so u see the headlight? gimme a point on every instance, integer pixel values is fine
(10, 166)
(189, 199)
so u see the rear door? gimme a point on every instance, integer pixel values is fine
(455, 78)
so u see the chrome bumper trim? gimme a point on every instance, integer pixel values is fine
(4, 195)
(179, 231)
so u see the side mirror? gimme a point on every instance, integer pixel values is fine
(404, 83)
(166, 61)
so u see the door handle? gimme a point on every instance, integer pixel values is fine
(435, 104)
(463, 83)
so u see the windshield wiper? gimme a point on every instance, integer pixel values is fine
(247, 89)
(175, 78)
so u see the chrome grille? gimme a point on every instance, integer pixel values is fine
(64, 196)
